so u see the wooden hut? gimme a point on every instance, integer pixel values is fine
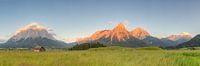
(39, 49)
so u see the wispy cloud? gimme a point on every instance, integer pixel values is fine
(69, 40)
(126, 22)
(3, 39)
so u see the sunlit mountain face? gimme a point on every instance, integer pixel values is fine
(31, 35)
(119, 35)
(140, 33)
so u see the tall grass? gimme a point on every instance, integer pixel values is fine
(109, 56)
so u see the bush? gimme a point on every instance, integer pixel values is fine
(86, 46)
(149, 48)
(190, 48)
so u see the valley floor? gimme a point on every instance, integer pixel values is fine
(109, 56)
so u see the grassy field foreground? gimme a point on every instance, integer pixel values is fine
(108, 56)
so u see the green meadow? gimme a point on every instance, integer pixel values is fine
(107, 56)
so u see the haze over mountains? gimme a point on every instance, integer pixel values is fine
(2, 40)
(179, 38)
(194, 42)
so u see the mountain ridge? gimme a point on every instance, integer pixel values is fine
(120, 35)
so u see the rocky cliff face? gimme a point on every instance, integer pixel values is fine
(140, 33)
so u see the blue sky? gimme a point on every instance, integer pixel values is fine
(76, 18)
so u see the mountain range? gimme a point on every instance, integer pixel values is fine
(118, 36)
(135, 38)
(33, 34)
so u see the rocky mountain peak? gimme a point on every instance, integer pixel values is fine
(120, 27)
(140, 33)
